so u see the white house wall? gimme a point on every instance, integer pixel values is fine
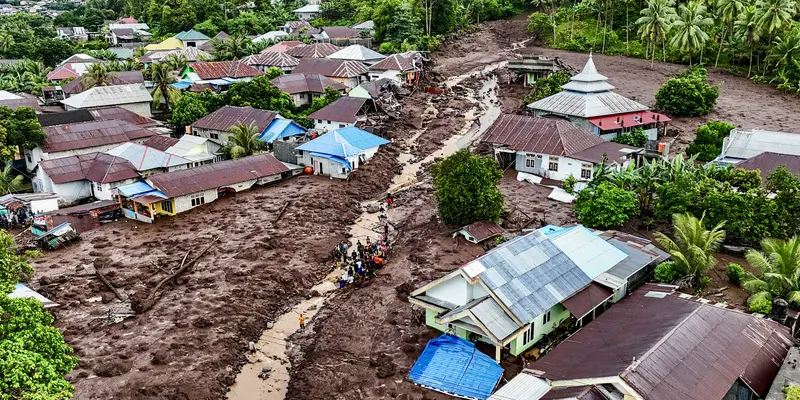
(142, 109)
(68, 192)
(221, 136)
(455, 290)
(321, 125)
(392, 74)
(184, 203)
(566, 166)
(103, 191)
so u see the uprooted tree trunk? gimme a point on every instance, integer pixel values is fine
(141, 306)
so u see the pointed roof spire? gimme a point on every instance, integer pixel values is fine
(589, 80)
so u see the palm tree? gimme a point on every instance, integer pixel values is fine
(97, 75)
(655, 22)
(175, 62)
(243, 140)
(232, 48)
(729, 11)
(9, 183)
(774, 14)
(690, 36)
(6, 41)
(785, 50)
(780, 270)
(161, 76)
(693, 247)
(748, 30)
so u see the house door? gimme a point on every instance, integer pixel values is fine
(319, 169)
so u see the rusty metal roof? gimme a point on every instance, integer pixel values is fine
(395, 62)
(341, 32)
(283, 46)
(668, 345)
(223, 69)
(551, 136)
(330, 68)
(272, 59)
(228, 116)
(583, 302)
(113, 78)
(96, 167)
(483, 230)
(14, 104)
(122, 114)
(767, 162)
(217, 175)
(574, 393)
(302, 83)
(91, 134)
(85, 208)
(316, 50)
(343, 109)
(161, 142)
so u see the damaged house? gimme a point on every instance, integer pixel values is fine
(343, 112)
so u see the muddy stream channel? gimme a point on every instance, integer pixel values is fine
(271, 348)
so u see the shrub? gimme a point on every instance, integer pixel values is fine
(547, 87)
(605, 206)
(792, 392)
(761, 306)
(666, 272)
(702, 284)
(688, 95)
(569, 184)
(636, 138)
(707, 143)
(735, 273)
(387, 48)
(541, 26)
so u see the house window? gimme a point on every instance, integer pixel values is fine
(586, 171)
(198, 199)
(341, 125)
(166, 205)
(98, 186)
(28, 157)
(546, 317)
(319, 121)
(329, 122)
(214, 136)
(553, 164)
(530, 161)
(527, 337)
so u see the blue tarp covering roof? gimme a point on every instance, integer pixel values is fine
(279, 129)
(454, 366)
(135, 189)
(343, 142)
(181, 84)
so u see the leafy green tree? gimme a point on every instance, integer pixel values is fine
(273, 72)
(707, 144)
(541, 26)
(33, 356)
(232, 48)
(690, 25)
(189, 108)
(744, 180)
(605, 206)
(729, 10)
(97, 75)
(749, 31)
(259, 93)
(636, 138)
(23, 127)
(9, 181)
(162, 78)
(546, 87)
(466, 188)
(181, 17)
(207, 27)
(654, 24)
(779, 265)
(243, 140)
(688, 95)
(53, 51)
(328, 97)
(175, 62)
(693, 247)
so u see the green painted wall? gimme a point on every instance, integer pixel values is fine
(430, 320)
(557, 314)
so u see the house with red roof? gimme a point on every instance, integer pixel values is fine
(220, 74)
(85, 175)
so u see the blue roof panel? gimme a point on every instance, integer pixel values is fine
(452, 365)
(135, 189)
(344, 142)
(281, 128)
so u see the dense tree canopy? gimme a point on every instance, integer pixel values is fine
(466, 188)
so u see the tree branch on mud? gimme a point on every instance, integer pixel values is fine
(141, 307)
(109, 285)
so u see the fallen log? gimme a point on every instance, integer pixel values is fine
(109, 285)
(281, 212)
(153, 297)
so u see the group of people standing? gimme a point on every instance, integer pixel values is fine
(363, 260)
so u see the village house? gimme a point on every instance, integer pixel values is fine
(139, 26)
(271, 36)
(343, 112)
(268, 59)
(552, 148)
(84, 217)
(52, 95)
(192, 38)
(28, 203)
(401, 68)
(304, 88)
(519, 292)
(589, 102)
(743, 144)
(348, 73)
(17, 100)
(198, 150)
(192, 54)
(148, 160)
(357, 52)
(339, 35)
(169, 43)
(283, 46)
(74, 139)
(660, 344)
(365, 28)
(284, 130)
(76, 33)
(132, 97)
(297, 28)
(531, 68)
(339, 152)
(215, 126)
(307, 12)
(112, 79)
(209, 45)
(373, 89)
(221, 74)
(767, 162)
(175, 192)
(120, 36)
(86, 175)
(72, 68)
(316, 50)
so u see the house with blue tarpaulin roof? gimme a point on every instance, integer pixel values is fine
(339, 152)
(282, 129)
(452, 365)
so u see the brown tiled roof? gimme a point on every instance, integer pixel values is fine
(767, 162)
(341, 32)
(114, 78)
(22, 102)
(669, 346)
(395, 62)
(217, 175)
(316, 50)
(343, 109)
(272, 59)
(224, 69)
(483, 230)
(228, 116)
(161, 142)
(552, 136)
(91, 134)
(613, 152)
(302, 83)
(584, 301)
(122, 114)
(282, 47)
(96, 167)
(331, 68)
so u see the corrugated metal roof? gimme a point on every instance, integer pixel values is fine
(113, 78)
(395, 62)
(14, 104)
(340, 32)
(483, 230)
(588, 81)
(343, 142)
(742, 144)
(614, 152)
(768, 162)
(191, 34)
(96, 167)
(122, 114)
(135, 189)
(366, 25)
(84, 208)
(343, 109)
(316, 50)
(330, 68)
(586, 105)
(308, 8)
(23, 292)
(281, 128)
(217, 175)
(103, 96)
(66, 117)
(228, 116)
(161, 142)
(166, 44)
(272, 59)
(524, 386)
(583, 302)
(91, 134)
(452, 365)
(540, 135)
(303, 83)
(357, 52)
(283, 46)
(494, 318)
(575, 393)
(223, 69)
(62, 72)
(146, 158)
(637, 259)
(591, 253)
(136, 25)
(191, 54)
(672, 347)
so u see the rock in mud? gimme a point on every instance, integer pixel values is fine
(372, 208)
(113, 368)
(107, 297)
(266, 371)
(160, 357)
(201, 322)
